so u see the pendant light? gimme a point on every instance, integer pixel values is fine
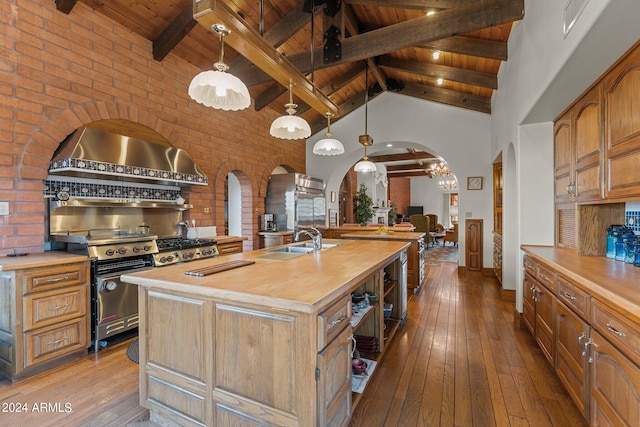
(290, 126)
(328, 146)
(217, 88)
(365, 165)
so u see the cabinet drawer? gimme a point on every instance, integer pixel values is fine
(547, 277)
(623, 334)
(573, 297)
(47, 308)
(230, 248)
(53, 341)
(46, 278)
(333, 320)
(529, 265)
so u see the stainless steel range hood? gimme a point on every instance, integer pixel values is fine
(94, 153)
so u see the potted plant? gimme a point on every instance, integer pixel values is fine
(362, 206)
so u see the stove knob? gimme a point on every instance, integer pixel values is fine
(110, 285)
(169, 258)
(146, 248)
(122, 251)
(186, 256)
(110, 252)
(136, 249)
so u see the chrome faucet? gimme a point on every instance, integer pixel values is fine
(316, 236)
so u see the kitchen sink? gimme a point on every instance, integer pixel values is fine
(310, 245)
(292, 249)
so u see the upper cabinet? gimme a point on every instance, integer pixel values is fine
(578, 142)
(622, 100)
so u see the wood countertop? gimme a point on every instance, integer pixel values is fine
(307, 283)
(392, 235)
(228, 239)
(45, 259)
(275, 233)
(612, 282)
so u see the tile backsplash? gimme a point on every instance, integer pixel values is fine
(632, 216)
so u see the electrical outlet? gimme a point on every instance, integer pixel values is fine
(4, 208)
(468, 214)
(206, 210)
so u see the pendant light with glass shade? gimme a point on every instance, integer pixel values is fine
(365, 165)
(328, 146)
(217, 88)
(290, 126)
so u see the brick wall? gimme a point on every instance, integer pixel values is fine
(59, 72)
(400, 193)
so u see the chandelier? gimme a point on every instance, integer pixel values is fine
(441, 169)
(220, 89)
(450, 184)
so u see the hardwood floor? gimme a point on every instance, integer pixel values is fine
(459, 361)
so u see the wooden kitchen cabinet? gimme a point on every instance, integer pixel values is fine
(622, 101)
(334, 381)
(614, 386)
(45, 317)
(571, 362)
(228, 248)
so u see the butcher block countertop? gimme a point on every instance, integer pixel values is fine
(307, 283)
(612, 282)
(391, 235)
(45, 259)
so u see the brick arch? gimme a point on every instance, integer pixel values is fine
(270, 165)
(39, 150)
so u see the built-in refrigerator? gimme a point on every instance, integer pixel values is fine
(297, 202)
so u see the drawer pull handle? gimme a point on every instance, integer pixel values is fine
(543, 277)
(56, 342)
(58, 279)
(568, 295)
(58, 307)
(338, 320)
(615, 331)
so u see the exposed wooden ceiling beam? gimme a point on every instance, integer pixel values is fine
(402, 157)
(65, 6)
(338, 83)
(446, 96)
(404, 168)
(469, 17)
(248, 42)
(352, 24)
(436, 70)
(174, 33)
(409, 174)
(469, 46)
(412, 4)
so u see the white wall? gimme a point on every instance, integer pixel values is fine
(461, 137)
(235, 206)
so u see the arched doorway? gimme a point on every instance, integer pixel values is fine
(238, 207)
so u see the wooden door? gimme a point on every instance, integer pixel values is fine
(473, 244)
(615, 385)
(545, 319)
(563, 153)
(528, 307)
(571, 365)
(334, 381)
(622, 102)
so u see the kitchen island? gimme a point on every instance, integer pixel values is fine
(267, 342)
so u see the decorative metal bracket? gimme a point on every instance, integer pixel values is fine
(332, 45)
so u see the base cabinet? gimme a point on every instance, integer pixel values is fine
(334, 382)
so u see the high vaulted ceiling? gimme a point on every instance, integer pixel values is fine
(393, 39)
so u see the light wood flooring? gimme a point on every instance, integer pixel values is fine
(459, 361)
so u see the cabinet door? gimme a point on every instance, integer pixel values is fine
(334, 381)
(623, 127)
(571, 365)
(615, 386)
(562, 153)
(545, 318)
(588, 146)
(528, 307)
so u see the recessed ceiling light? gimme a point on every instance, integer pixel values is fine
(389, 145)
(436, 54)
(431, 12)
(440, 80)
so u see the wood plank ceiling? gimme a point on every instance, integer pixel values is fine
(396, 39)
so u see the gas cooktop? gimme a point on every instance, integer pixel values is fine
(172, 250)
